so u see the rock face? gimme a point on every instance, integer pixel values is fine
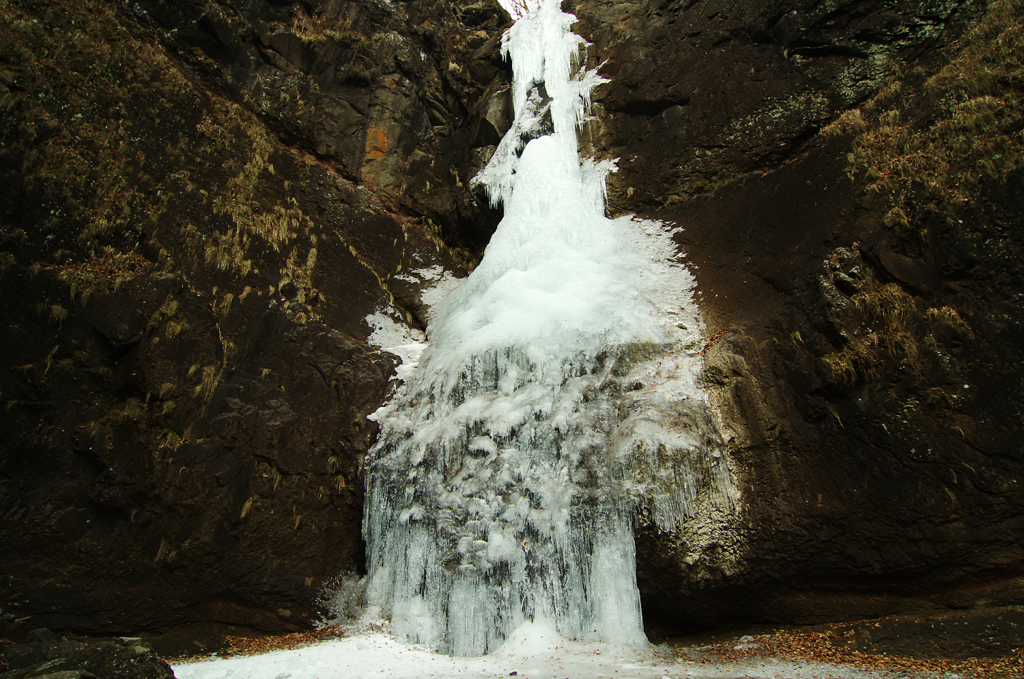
(206, 199)
(202, 204)
(846, 181)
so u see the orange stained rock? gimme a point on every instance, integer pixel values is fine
(376, 142)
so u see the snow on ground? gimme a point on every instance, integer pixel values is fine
(528, 654)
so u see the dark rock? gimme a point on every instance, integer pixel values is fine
(130, 641)
(846, 284)
(703, 93)
(487, 15)
(984, 632)
(31, 653)
(874, 476)
(70, 660)
(42, 636)
(9, 626)
(186, 379)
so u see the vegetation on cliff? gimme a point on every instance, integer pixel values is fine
(927, 143)
(187, 266)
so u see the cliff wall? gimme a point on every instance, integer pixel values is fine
(845, 178)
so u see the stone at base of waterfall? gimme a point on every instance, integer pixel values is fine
(45, 654)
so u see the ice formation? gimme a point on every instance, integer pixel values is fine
(557, 398)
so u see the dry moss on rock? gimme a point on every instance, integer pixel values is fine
(926, 139)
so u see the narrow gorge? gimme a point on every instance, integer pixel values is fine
(794, 312)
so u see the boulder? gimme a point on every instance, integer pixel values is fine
(45, 656)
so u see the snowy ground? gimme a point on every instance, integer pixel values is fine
(529, 654)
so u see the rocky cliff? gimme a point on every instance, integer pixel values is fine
(846, 180)
(202, 203)
(204, 200)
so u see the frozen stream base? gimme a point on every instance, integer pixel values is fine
(530, 653)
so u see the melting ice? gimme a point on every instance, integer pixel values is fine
(556, 401)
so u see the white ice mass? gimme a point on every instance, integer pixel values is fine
(556, 401)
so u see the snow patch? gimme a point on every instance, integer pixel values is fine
(532, 652)
(399, 339)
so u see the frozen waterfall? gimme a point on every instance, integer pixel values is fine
(556, 402)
